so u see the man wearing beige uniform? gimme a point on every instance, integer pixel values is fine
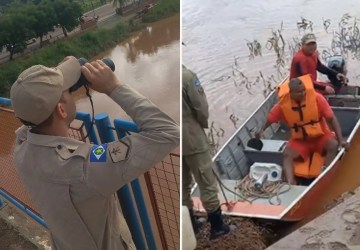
(73, 183)
(196, 158)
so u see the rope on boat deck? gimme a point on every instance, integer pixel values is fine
(268, 191)
(222, 187)
(247, 191)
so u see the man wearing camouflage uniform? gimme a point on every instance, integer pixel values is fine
(196, 156)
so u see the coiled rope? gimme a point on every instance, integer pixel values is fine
(269, 190)
(246, 191)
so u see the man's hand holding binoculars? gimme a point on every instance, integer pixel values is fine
(100, 77)
(97, 75)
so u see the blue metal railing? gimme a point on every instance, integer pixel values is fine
(122, 129)
(23, 208)
(2, 203)
(86, 118)
(105, 132)
(5, 101)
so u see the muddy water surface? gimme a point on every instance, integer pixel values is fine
(149, 61)
(216, 33)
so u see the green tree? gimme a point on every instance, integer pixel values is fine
(3, 33)
(44, 16)
(16, 29)
(67, 14)
(3, 4)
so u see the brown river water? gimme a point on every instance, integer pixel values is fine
(149, 61)
(216, 33)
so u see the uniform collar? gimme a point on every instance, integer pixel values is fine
(52, 141)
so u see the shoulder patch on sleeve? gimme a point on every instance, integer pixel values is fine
(197, 83)
(118, 151)
(98, 153)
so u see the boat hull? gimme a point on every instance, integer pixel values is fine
(304, 203)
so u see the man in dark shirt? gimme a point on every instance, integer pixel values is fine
(306, 61)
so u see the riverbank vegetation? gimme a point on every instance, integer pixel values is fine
(89, 5)
(22, 22)
(163, 9)
(344, 39)
(88, 45)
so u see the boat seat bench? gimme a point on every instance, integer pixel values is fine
(271, 152)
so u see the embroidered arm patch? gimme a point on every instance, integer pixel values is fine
(118, 151)
(98, 153)
(197, 83)
(198, 86)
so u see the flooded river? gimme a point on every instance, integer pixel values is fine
(216, 33)
(149, 61)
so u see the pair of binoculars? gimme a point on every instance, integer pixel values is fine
(82, 80)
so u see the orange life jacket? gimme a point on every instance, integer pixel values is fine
(310, 167)
(303, 118)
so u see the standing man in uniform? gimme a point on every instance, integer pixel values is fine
(196, 158)
(73, 183)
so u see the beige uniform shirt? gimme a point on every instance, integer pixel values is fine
(195, 114)
(73, 183)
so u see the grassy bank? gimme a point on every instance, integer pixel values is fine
(89, 5)
(164, 9)
(86, 45)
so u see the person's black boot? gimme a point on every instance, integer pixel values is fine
(218, 227)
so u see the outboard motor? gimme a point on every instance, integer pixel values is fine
(338, 64)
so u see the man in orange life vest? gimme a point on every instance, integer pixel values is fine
(306, 113)
(306, 61)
